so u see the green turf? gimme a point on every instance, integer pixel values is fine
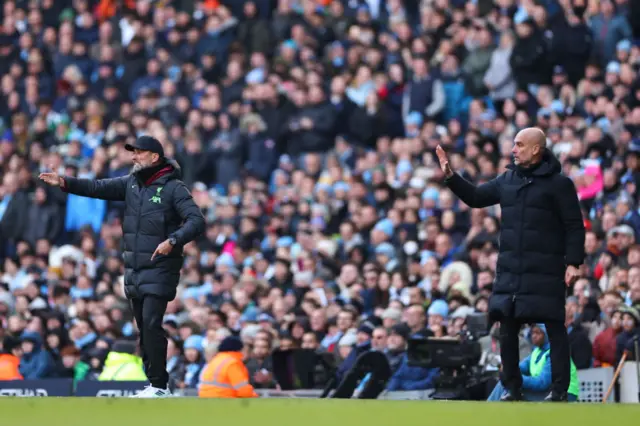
(303, 412)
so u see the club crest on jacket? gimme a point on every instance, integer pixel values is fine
(156, 198)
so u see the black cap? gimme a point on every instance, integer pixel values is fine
(146, 143)
(10, 343)
(230, 344)
(366, 328)
(401, 330)
(558, 70)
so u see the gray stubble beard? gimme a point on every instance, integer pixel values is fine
(137, 167)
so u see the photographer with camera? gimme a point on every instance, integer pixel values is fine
(409, 378)
(450, 364)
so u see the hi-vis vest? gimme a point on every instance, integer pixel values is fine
(122, 367)
(226, 377)
(537, 363)
(10, 367)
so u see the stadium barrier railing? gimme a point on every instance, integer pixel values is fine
(593, 385)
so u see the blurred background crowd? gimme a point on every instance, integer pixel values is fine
(306, 131)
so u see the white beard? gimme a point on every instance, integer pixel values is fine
(137, 167)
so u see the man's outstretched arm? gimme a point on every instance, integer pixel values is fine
(484, 195)
(105, 189)
(480, 196)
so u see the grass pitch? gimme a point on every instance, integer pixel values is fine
(303, 412)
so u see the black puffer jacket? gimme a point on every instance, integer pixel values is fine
(156, 209)
(542, 232)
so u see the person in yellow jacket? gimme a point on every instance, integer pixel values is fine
(122, 364)
(226, 376)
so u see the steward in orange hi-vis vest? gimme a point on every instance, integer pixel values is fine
(226, 376)
(9, 359)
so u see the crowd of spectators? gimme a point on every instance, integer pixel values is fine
(306, 131)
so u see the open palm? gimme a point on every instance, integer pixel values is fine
(444, 161)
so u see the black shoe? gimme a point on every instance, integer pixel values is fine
(557, 397)
(512, 396)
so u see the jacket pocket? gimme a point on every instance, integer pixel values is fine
(153, 226)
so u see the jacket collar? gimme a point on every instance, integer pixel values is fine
(549, 165)
(235, 355)
(149, 175)
(157, 175)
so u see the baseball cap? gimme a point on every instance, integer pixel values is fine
(265, 318)
(624, 230)
(624, 45)
(146, 143)
(200, 186)
(613, 67)
(401, 330)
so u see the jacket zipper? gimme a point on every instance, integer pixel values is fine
(524, 199)
(135, 248)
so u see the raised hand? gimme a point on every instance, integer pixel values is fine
(444, 162)
(51, 178)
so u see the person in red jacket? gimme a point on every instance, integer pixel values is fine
(604, 345)
(10, 359)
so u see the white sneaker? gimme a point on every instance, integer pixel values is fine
(151, 392)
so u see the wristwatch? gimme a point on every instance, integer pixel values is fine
(172, 241)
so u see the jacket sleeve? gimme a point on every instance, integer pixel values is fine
(324, 122)
(484, 195)
(539, 383)
(581, 350)
(190, 213)
(497, 75)
(55, 224)
(439, 100)
(597, 351)
(571, 216)
(346, 365)
(239, 381)
(21, 218)
(41, 367)
(423, 382)
(105, 189)
(396, 380)
(621, 343)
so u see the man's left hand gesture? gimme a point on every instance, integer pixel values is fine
(571, 275)
(165, 248)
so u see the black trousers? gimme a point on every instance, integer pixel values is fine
(509, 351)
(148, 313)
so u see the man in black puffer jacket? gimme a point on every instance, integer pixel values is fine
(541, 245)
(159, 219)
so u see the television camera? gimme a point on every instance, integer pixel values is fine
(458, 359)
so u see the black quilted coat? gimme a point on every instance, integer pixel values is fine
(542, 231)
(156, 209)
